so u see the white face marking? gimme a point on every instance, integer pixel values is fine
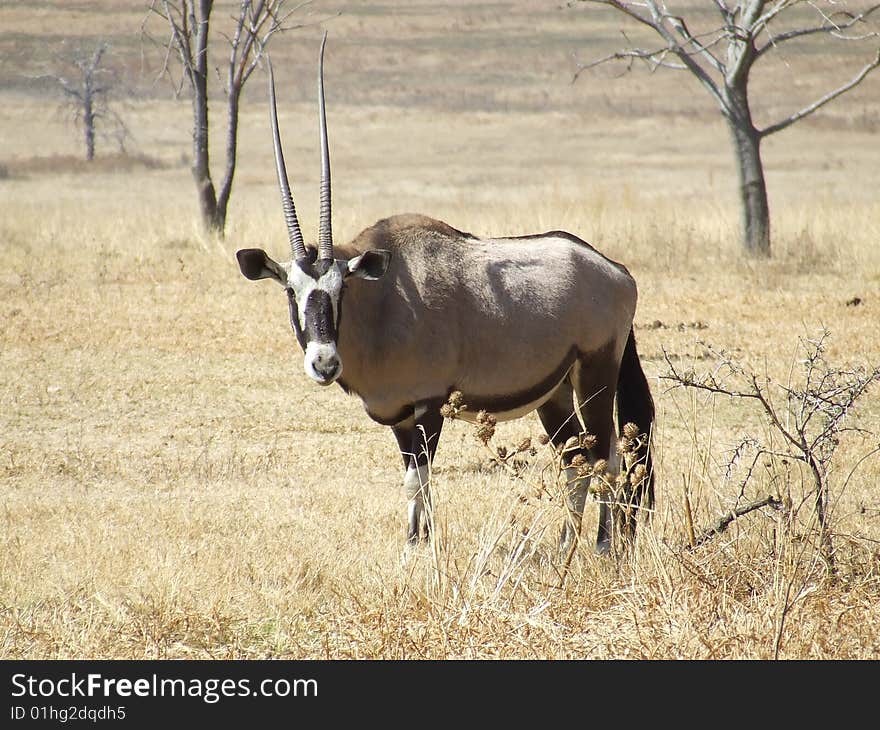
(302, 285)
(322, 363)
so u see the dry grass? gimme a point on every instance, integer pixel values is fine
(172, 486)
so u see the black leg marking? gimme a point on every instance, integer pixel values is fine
(403, 432)
(635, 405)
(417, 439)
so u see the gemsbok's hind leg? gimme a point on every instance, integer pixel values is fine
(561, 423)
(417, 439)
(595, 382)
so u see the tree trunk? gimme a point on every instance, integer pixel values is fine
(89, 125)
(755, 215)
(231, 153)
(755, 210)
(201, 168)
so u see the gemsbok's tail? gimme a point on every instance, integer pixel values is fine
(635, 405)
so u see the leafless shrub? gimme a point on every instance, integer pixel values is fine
(788, 468)
(89, 86)
(808, 416)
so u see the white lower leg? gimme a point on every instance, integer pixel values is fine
(418, 495)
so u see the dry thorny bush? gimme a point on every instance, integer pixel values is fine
(806, 417)
(565, 464)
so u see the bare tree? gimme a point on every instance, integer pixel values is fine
(188, 25)
(722, 54)
(87, 91)
(808, 416)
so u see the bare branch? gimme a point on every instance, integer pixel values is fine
(819, 103)
(829, 27)
(654, 59)
(755, 19)
(180, 37)
(628, 9)
(810, 425)
(677, 23)
(680, 26)
(726, 520)
(655, 21)
(725, 11)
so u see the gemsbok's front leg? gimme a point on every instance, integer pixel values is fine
(417, 439)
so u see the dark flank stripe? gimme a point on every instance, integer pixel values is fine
(499, 403)
(502, 403)
(402, 415)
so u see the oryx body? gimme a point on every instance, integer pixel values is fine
(413, 310)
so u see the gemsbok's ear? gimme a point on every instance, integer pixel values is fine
(370, 265)
(255, 264)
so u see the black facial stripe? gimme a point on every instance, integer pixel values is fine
(339, 307)
(294, 319)
(320, 326)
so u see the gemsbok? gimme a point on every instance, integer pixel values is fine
(413, 310)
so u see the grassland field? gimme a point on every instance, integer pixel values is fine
(172, 485)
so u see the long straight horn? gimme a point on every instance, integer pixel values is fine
(294, 235)
(325, 229)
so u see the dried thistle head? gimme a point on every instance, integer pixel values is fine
(453, 406)
(502, 452)
(578, 460)
(524, 445)
(573, 443)
(599, 488)
(544, 439)
(624, 445)
(631, 431)
(638, 474)
(600, 467)
(485, 418)
(485, 432)
(588, 440)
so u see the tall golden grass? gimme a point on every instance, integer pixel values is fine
(173, 486)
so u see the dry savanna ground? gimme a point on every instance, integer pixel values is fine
(172, 485)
